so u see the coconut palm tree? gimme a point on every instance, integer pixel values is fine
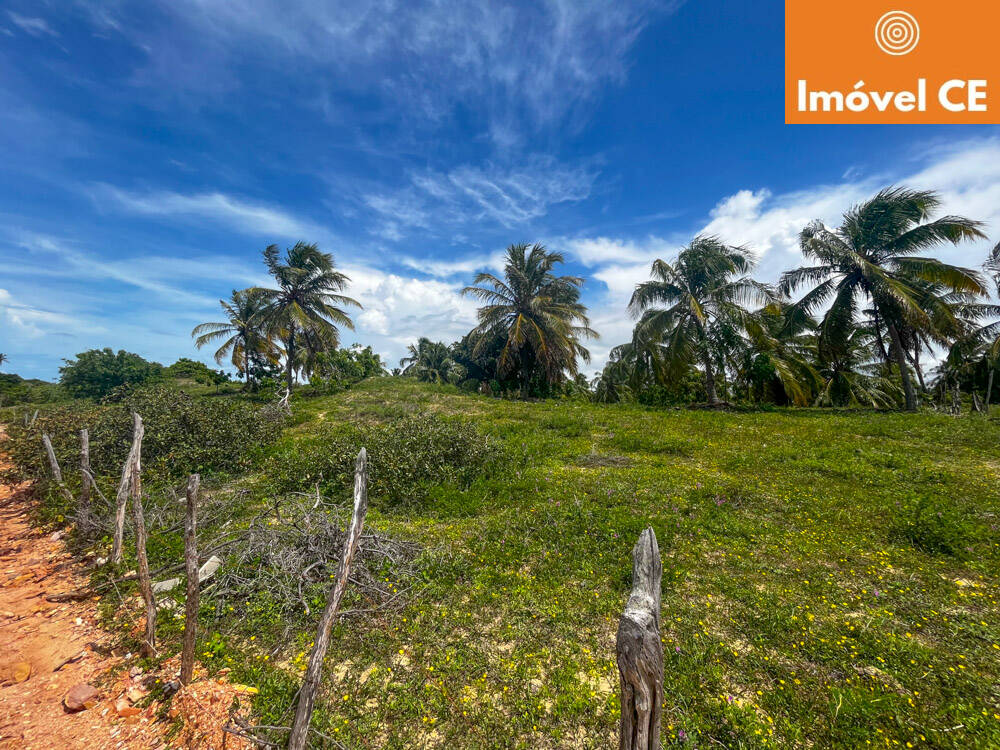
(874, 256)
(3, 358)
(244, 343)
(537, 314)
(852, 372)
(429, 361)
(306, 307)
(694, 307)
(775, 359)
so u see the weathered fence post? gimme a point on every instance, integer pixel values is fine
(191, 564)
(130, 475)
(53, 462)
(307, 694)
(85, 468)
(640, 651)
(145, 583)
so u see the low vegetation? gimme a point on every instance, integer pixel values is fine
(830, 577)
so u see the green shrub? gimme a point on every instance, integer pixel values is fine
(96, 372)
(16, 390)
(183, 434)
(403, 456)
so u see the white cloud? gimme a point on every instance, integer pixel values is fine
(966, 174)
(242, 215)
(33, 322)
(30, 25)
(521, 66)
(506, 196)
(399, 310)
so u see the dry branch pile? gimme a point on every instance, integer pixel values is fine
(291, 553)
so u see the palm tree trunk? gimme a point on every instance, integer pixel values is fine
(989, 391)
(289, 358)
(713, 398)
(918, 369)
(904, 373)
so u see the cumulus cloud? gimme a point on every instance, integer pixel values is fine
(398, 310)
(966, 174)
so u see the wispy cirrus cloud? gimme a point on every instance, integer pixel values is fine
(519, 66)
(505, 196)
(220, 208)
(31, 25)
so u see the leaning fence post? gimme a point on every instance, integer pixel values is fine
(640, 651)
(130, 474)
(307, 694)
(191, 564)
(145, 583)
(85, 468)
(53, 462)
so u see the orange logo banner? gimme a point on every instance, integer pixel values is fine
(892, 61)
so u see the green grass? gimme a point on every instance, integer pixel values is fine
(830, 579)
(797, 608)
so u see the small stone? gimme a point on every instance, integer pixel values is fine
(135, 695)
(207, 570)
(161, 586)
(21, 671)
(80, 697)
(124, 708)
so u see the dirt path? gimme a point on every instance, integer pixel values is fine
(39, 635)
(48, 649)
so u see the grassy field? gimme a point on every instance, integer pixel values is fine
(830, 579)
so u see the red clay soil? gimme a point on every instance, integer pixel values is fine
(37, 636)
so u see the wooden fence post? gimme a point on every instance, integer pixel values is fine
(314, 672)
(53, 462)
(640, 651)
(130, 475)
(145, 582)
(85, 468)
(191, 564)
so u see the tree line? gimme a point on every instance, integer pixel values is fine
(875, 309)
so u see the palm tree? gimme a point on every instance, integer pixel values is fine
(875, 255)
(777, 355)
(430, 361)
(851, 371)
(3, 358)
(694, 307)
(306, 308)
(244, 344)
(537, 314)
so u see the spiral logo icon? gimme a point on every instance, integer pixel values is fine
(897, 33)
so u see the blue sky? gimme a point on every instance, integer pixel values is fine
(152, 149)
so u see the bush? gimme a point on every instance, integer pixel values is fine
(199, 372)
(97, 372)
(403, 458)
(16, 390)
(183, 434)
